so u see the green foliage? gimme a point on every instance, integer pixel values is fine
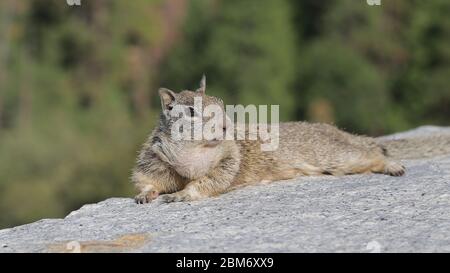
(69, 129)
(353, 87)
(425, 83)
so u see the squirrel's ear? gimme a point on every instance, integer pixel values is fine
(167, 97)
(202, 88)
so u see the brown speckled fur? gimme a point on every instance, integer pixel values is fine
(192, 170)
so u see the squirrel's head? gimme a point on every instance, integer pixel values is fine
(191, 107)
(190, 149)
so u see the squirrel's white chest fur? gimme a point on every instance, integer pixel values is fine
(190, 161)
(196, 162)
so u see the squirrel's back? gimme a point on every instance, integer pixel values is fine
(306, 149)
(317, 149)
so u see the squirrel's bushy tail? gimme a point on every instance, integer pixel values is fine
(417, 147)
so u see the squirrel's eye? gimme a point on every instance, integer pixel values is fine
(169, 107)
(191, 111)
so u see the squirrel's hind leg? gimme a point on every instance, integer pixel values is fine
(371, 164)
(393, 168)
(385, 166)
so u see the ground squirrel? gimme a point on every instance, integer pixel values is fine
(186, 170)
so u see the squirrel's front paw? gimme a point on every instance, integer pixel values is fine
(181, 196)
(146, 197)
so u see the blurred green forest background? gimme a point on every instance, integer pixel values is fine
(78, 84)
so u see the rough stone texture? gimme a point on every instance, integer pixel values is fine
(359, 213)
